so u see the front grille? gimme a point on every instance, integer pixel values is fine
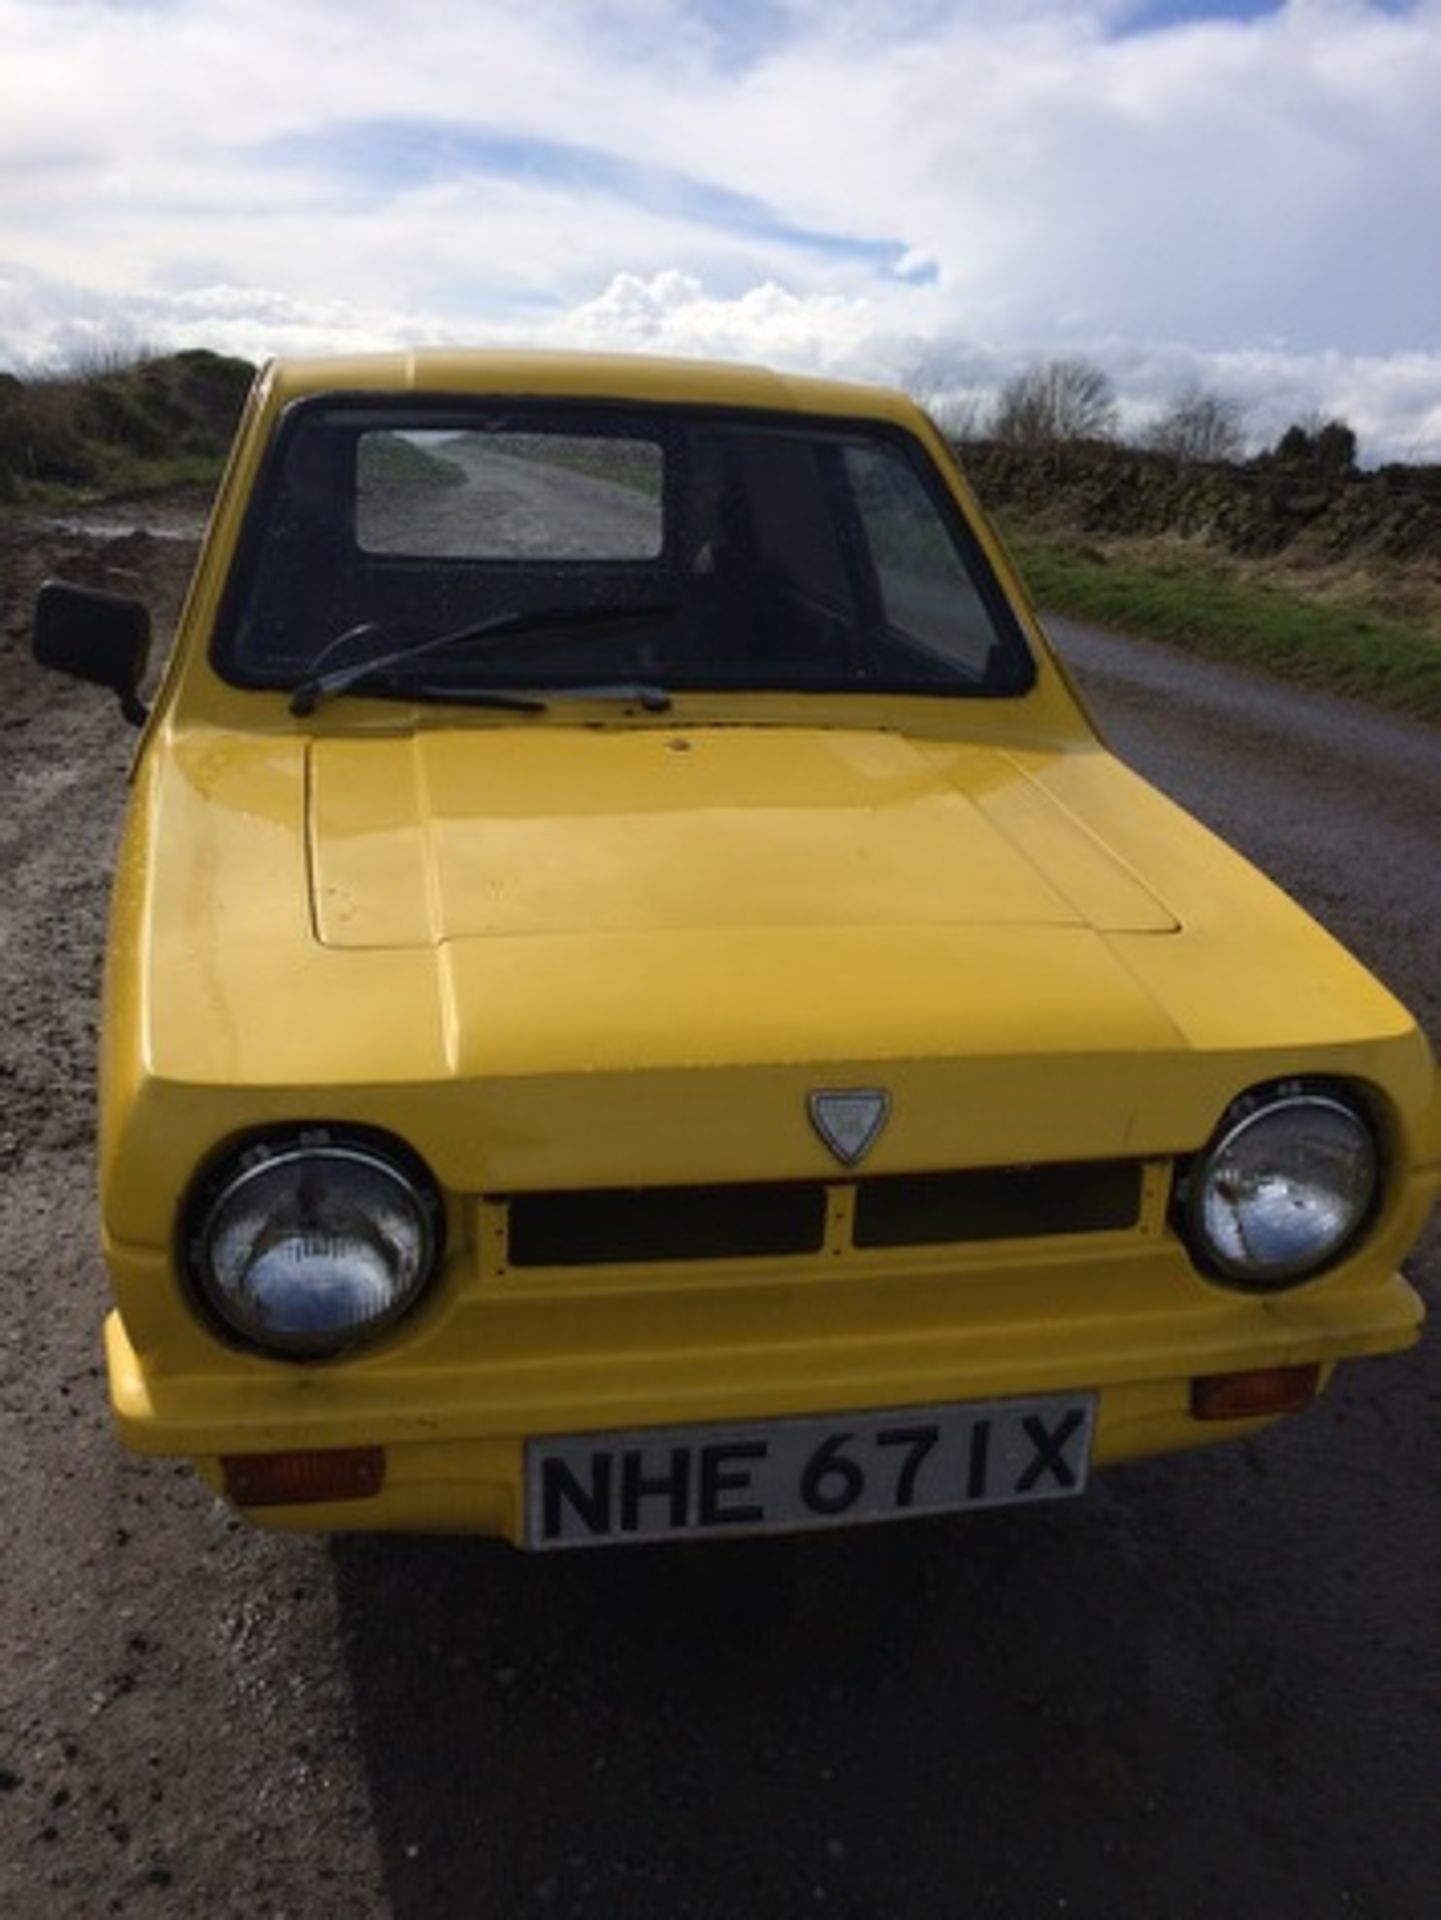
(652, 1225)
(666, 1223)
(1007, 1203)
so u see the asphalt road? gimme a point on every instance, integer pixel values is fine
(1209, 1689)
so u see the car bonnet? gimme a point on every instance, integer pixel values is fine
(460, 834)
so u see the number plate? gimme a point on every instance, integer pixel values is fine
(666, 1483)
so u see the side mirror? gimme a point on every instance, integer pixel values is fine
(97, 636)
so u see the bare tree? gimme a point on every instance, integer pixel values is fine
(964, 418)
(1058, 400)
(1201, 425)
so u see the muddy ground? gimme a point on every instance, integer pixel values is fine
(1211, 1688)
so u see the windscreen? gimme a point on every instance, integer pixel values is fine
(688, 550)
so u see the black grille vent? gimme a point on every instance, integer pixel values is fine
(666, 1223)
(658, 1224)
(1006, 1203)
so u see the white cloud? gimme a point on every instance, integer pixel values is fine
(1249, 202)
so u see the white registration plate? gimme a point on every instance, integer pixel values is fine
(666, 1483)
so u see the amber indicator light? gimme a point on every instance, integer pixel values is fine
(1240, 1396)
(300, 1479)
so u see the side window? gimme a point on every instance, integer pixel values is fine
(928, 599)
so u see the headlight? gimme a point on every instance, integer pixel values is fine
(312, 1243)
(1285, 1185)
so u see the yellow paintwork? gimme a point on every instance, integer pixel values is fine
(577, 950)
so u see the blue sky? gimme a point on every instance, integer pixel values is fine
(383, 158)
(935, 191)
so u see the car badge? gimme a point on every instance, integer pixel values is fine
(849, 1119)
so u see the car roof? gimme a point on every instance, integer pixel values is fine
(598, 376)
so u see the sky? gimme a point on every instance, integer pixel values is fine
(1235, 193)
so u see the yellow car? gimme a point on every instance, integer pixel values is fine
(638, 1006)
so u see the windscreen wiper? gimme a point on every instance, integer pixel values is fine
(309, 692)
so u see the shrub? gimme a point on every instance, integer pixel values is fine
(1326, 448)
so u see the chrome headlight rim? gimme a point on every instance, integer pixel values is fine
(246, 1158)
(1265, 1102)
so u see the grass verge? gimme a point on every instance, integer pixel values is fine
(126, 480)
(1345, 646)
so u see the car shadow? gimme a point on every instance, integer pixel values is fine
(995, 1714)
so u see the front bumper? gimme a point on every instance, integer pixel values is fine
(454, 1437)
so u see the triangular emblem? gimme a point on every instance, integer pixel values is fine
(849, 1119)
